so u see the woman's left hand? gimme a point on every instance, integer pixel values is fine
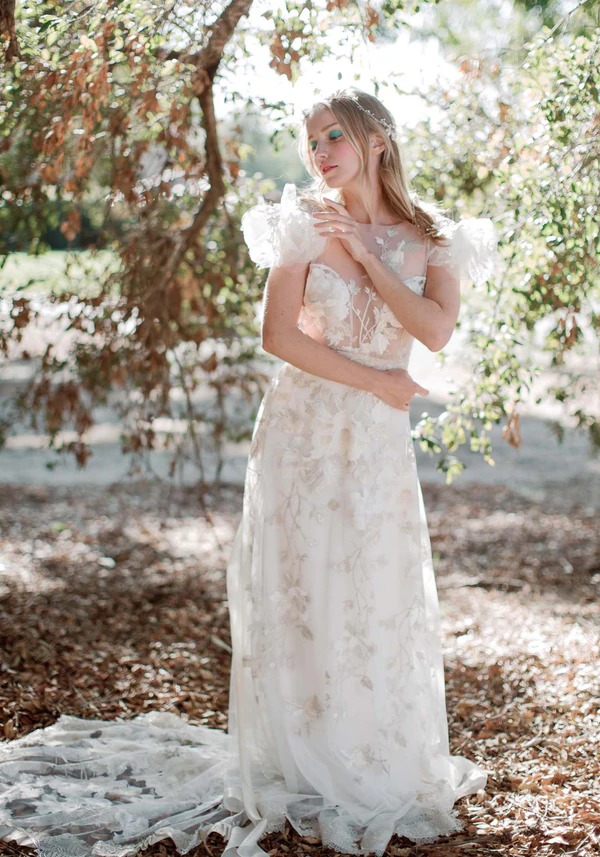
(337, 223)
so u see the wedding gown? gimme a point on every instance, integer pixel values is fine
(337, 716)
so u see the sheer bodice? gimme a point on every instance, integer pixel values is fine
(346, 312)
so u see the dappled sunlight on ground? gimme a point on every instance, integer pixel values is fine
(112, 602)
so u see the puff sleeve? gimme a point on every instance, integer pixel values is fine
(281, 233)
(470, 248)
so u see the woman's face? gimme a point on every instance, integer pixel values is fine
(332, 154)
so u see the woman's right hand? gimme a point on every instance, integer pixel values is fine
(397, 388)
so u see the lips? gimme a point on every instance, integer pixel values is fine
(328, 168)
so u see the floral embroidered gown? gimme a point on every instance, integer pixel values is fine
(337, 716)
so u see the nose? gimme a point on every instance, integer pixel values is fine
(320, 151)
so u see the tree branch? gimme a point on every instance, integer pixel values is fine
(222, 30)
(207, 61)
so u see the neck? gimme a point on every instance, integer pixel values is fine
(356, 199)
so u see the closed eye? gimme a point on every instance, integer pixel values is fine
(333, 135)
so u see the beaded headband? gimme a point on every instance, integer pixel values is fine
(390, 130)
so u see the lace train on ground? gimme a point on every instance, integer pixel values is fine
(112, 788)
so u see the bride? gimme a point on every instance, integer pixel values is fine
(337, 718)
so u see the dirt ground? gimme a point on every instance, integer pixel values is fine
(112, 602)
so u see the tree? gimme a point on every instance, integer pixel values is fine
(534, 170)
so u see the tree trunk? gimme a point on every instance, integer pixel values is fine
(7, 29)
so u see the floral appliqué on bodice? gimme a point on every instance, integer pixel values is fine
(348, 314)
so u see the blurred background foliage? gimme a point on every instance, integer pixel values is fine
(122, 194)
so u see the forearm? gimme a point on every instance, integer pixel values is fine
(311, 356)
(423, 318)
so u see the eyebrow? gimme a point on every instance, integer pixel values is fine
(324, 128)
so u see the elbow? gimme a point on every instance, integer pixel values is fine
(438, 339)
(272, 341)
(267, 341)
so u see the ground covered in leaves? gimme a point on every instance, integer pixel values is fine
(112, 602)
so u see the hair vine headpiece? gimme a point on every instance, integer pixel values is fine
(390, 129)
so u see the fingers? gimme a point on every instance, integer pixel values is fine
(336, 205)
(336, 212)
(417, 389)
(403, 391)
(340, 227)
(324, 218)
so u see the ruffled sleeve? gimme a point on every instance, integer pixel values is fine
(470, 248)
(281, 233)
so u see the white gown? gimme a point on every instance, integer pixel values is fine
(337, 716)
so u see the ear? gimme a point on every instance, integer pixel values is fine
(376, 143)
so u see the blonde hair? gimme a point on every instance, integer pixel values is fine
(359, 115)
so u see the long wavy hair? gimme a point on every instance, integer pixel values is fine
(357, 125)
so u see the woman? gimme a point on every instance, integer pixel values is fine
(337, 713)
